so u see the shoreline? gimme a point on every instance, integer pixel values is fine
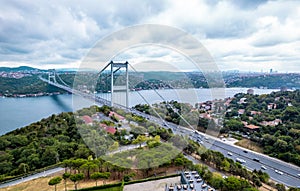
(41, 94)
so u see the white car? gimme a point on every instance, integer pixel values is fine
(240, 160)
(229, 153)
(263, 167)
(279, 172)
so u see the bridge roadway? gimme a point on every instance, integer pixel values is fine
(290, 173)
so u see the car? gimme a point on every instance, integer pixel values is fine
(185, 186)
(298, 175)
(204, 185)
(240, 160)
(245, 151)
(229, 153)
(256, 159)
(279, 172)
(199, 180)
(263, 167)
(192, 186)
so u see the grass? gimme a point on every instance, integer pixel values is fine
(246, 143)
(41, 184)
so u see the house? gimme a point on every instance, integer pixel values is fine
(251, 127)
(117, 116)
(129, 137)
(241, 111)
(205, 115)
(272, 106)
(271, 123)
(250, 91)
(227, 102)
(242, 100)
(255, 112)
(110, 130)
(102, 125)
(87, 120)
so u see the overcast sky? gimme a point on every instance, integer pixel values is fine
(248, 35)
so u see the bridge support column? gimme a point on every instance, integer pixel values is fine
(51, 75)
(120, 88)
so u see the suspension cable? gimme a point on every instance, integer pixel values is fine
(163, 100)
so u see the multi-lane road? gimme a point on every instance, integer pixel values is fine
(278, 170)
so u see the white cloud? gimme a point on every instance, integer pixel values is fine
(245, 35)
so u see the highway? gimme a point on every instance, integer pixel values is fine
(289, 176)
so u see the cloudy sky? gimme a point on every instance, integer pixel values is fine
(248, 35)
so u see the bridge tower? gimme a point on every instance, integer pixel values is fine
(51, 75)
(122, 83)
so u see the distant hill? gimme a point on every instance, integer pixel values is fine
(21, 68)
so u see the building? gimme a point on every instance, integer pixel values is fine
(110, 130)
(87, 120)
(117, 116)
(283, 89)
(252, 127)
(250, 91)
(241, 111)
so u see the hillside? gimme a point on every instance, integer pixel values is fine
(276, 118)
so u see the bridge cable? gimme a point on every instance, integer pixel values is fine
(61, 80)
(164, 100)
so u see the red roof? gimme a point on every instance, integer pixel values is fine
(102, 125)
(120, 117)
(111, 130)
(87, 119)
(252, 126)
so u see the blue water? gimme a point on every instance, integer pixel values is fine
(19, 112)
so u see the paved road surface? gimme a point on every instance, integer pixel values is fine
(291, 173)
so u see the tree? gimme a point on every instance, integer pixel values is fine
(96, 176)
(65, 176)
(88, 166)
(114, 146)
(76, 178)
(140, 139)
(54, 181)
(280, 187)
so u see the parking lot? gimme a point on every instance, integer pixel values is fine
(190, 181)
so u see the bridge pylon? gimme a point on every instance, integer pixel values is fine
(121, 87)
(51, 75)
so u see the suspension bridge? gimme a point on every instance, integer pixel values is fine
(55, 80)
(212, 142)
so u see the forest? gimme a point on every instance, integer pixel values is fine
(278, 119)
